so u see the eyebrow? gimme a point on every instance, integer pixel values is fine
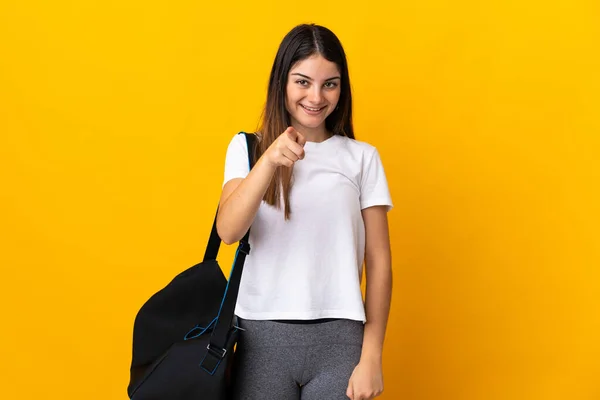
(309, 78)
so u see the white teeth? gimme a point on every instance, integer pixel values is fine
(312, 109)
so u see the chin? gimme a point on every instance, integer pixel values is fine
(311, 124)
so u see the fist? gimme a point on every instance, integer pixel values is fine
(286, 149)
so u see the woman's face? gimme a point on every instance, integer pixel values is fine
(313, 91)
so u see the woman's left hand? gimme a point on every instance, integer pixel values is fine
(366, 381)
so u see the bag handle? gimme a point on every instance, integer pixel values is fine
(218, 340)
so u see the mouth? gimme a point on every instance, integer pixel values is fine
(312, 110)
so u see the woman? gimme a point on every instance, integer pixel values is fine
(317, 201)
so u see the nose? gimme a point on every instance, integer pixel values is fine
(315, 96)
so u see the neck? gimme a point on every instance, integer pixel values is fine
(318, 135)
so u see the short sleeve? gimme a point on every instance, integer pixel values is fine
(374, 189)
(236, 159)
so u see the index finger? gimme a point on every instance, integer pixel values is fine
(292, 133)
(301, 140)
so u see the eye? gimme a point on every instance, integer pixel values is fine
(331, 85)
(302, 82)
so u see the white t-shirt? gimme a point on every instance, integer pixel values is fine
(310, 266)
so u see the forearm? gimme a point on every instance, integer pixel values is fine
(238, 210)
(377, 305)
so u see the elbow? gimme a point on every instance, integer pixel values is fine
(227, 241)
(224, 234)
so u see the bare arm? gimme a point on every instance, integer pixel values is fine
(378, 263)
(366, 381)
(241, 198)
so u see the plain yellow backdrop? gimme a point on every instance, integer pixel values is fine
(114, 121)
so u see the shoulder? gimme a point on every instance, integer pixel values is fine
(238, 138)
(237, 149)
(238, 143)
(357, 148)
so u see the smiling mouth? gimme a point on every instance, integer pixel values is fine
(312, 108)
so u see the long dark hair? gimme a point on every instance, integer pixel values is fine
(302, 42)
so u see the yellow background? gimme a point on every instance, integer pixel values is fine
(115, 117)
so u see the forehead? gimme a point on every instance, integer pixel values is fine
(317, 67)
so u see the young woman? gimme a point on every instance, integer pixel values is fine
(317, 200)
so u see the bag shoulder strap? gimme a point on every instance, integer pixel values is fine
(217, 346)
(214, 241)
